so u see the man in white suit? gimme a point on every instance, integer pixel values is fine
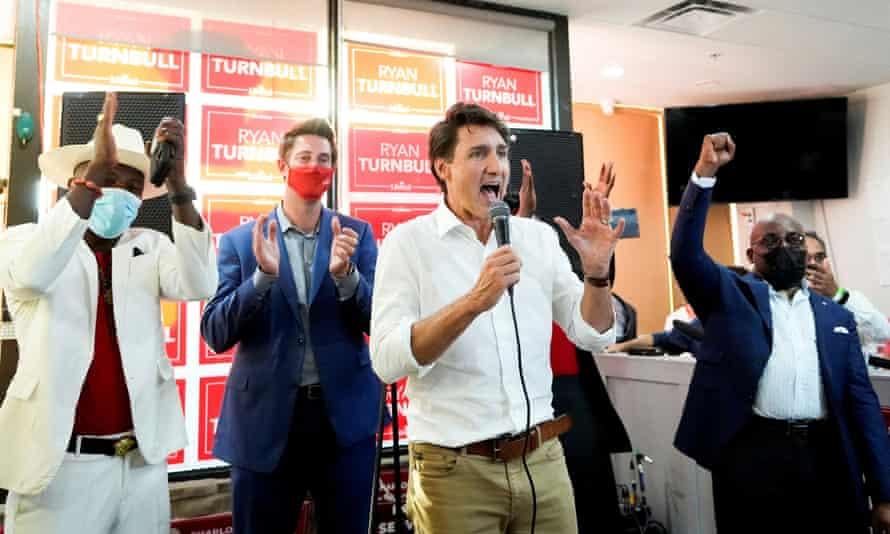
(93, 409)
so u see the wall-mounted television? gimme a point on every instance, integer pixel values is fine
(792, 150)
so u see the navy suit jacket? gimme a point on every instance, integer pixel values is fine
(735, 312)
(262, 386)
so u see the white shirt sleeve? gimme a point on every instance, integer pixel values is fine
(873, 325)
(705, 182)
(395, 309)
(567, 294)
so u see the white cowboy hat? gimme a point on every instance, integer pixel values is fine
(58, 164)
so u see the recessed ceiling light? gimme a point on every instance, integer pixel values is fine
(613, 72)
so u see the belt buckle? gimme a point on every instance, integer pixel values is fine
(313, 392)
(495, 449)
(800, 429)
(124, 445)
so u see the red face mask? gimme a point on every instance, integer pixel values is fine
(310, 182)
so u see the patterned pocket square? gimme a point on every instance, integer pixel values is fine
(841, 330)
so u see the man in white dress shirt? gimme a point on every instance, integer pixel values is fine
(873, 325)
(780, 406)
(439, 318)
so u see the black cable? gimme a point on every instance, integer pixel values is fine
(397, 463)
(528, 418)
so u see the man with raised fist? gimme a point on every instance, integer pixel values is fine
(780, 406)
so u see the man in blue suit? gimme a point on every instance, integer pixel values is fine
(780, 407)
(301, 406)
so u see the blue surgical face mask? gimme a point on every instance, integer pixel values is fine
(113, 212)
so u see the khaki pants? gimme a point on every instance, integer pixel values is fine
(450, 492)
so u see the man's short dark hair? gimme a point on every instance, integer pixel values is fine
(818, 238)
(319, 127)
(443, 136)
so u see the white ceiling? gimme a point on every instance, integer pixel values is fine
(787, 49)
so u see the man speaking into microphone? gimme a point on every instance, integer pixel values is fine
(477, 380)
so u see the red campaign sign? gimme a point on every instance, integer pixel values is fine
(173, 320)
(223, 213)
(386, 501)
(383, 217)
(140, 28)
(210, 402)
(403, 411)
(278, 44)
(514, 94)
(178, 457)
(242, 144)
(255, 77)
(384, 160)
(277, 62)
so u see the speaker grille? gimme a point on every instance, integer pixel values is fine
(557, 160)
(142, 111)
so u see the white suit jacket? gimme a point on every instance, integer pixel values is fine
(51, 280)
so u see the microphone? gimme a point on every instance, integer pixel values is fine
(499, 212)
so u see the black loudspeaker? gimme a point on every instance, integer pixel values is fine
(557, 160)
(142, 111)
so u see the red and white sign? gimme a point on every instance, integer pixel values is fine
(276, 62)
(386, 502)
(223, 213)
(383, 217)
(514, 94)
(142, 28)
(210, 400)
(391, 161)
(242, 144)
(104, 46)
(173, 320)
(178, 457)
(266, 42)
(256, 77)
(226, 212)
(403, 411)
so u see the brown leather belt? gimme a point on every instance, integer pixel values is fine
(510, 447)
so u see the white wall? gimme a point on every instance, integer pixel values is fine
(858, 227)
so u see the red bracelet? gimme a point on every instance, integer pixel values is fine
(88, 184)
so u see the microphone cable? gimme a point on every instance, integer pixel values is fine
(528, 416)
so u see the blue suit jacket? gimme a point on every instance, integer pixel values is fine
(737, 320)
(262, 386)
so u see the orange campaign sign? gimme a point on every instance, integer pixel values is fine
(280, 62)
(105, 46)
(242, 144)
(173, 322)
(120, 64)
(387, 80)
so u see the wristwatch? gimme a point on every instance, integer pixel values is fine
(183, 197)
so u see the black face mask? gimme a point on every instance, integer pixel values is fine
(785, 267)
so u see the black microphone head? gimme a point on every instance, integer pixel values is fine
(498, 208)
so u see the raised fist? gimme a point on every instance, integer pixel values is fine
(717, 150)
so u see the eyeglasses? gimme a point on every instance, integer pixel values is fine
(792, 239)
